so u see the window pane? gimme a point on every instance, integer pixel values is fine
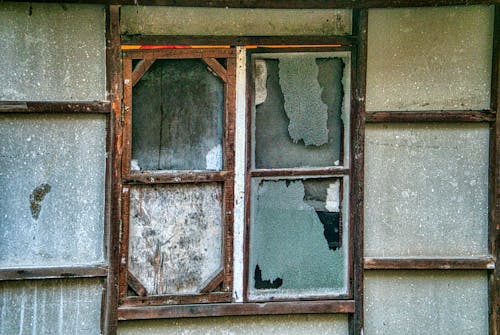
(175, 242)
(429, 58)
(299, 110)
(297, 242)
(52, 177)
(177, 120)
(56, 53)
(426, 302)
(47, 307)
(426, 190)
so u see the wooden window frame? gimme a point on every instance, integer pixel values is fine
(341, 172)
(156, 307)
(225, 177)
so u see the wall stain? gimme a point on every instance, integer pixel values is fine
(36, 198)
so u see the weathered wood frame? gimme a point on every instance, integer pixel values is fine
(324, 303)
(225, 177)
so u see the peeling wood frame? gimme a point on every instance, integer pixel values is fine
(494, 184)
(328, 171)
(236, 40)
(290, 4)
(482, 263)
(356, 201)
(225, 177)
(114, 88)
(432, 116)
(97, 107)
(169, 177)
(237, 309)
(26, 273)
(331, 171)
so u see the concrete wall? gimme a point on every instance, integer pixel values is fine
(52, 166)
(422, 181)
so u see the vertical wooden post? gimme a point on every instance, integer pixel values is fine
(115, 92)
(494, 181)
(360, 29)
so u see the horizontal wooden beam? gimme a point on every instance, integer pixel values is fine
(168, 177)
(299, 172)
(269, 308)
(103, 107)
(431, 116)
(484, 263)
(53, 272)
(236, 40)
(159, 300)
(178, 53)
(283, 3)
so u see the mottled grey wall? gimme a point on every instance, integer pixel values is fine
(52, 174)
(247, 325)
(152, 20)
(426, 302)
(429, 58)
(52, 166)
(53, 52)
(49, 307)
(426, 190)
(426, 185)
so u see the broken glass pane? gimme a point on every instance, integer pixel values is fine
(429, 58)
(426, 302)
(299, 111)
(297, 242)
(177, 118)
(52, 177)
(175, 242)
(426, 191)
(49, 307)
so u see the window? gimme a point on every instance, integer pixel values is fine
(178, 174)
(178, 171)
(299, 167)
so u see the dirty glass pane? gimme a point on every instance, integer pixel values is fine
(49, 307)
(429, 58)
(177, 117)
(333, 324)
(52, 52)
(52, 177)
(426, 191)
(426, 302)
(156, 20)
(299, 111)
(298, 238)
(175, 242)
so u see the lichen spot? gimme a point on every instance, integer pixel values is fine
(36, 198)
